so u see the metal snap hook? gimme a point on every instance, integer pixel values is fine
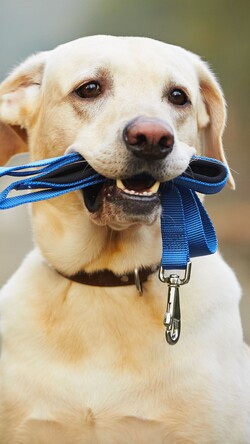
(172, 318)
(173, 335)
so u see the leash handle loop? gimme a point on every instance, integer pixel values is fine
(44, 176)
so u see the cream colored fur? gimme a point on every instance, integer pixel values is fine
(90, 365)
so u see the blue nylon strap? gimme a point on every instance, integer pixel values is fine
(187, 230)
(45, 165)
(204, 186)
(46, 190)
(173, 231)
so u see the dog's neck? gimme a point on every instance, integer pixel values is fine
(74, 243)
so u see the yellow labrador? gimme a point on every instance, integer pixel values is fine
(87, 363)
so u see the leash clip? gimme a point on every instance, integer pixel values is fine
(172, 318)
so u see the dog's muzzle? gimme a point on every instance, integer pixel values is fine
(149, 139)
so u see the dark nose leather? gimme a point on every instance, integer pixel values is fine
(148, 138)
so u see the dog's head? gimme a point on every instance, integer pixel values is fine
(135, 108)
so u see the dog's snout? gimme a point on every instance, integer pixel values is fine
(148, 138)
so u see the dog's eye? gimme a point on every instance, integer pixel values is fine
(89, 90)
(178, 97)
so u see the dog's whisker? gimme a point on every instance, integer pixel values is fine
(234, 171)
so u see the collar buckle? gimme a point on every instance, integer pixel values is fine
(138, 283)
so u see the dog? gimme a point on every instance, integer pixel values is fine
(88, 363)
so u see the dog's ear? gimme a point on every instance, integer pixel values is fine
(19, 99)
(211, 116)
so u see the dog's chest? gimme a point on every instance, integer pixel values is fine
(97, 365)
(103, 405)
(114, 379)
(102, 369)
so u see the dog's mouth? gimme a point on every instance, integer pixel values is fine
(134, 198)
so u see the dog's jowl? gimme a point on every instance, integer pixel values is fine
(86, 361)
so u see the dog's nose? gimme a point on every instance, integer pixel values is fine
(148, 138)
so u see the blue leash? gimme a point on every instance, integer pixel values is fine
(38, 174)
(187, 230)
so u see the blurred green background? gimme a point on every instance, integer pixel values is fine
(216, 30)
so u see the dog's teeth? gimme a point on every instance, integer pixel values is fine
(150, 192)
(119, 184)
(155, 187)
(129, 191)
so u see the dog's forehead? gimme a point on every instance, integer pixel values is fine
(119, 56)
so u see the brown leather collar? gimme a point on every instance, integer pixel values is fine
(106, 278)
